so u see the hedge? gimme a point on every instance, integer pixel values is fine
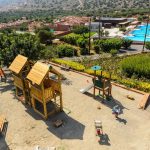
(71, 64)
(106, 45)
(136, 65)
(65, 50)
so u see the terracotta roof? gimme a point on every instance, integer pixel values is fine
(18, 64)
(38, 73)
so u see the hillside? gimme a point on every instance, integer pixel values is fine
(75, 4)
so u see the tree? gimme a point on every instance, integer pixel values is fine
(13, 44)
(80, 29)
(45, 37)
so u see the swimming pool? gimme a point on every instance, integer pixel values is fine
(138, 34)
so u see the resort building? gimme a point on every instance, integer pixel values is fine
(94, 26)
(110, 22)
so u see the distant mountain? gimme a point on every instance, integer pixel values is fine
(75, 4)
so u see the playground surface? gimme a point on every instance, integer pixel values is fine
(26, 129)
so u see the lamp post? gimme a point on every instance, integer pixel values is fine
(89, 36)
(99, 29)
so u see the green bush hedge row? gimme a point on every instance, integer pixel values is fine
(71, 64)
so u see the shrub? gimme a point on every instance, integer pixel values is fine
(45, 37)
(123, 29)
(108, 44)
(80, 29)
(81, 42)
(126, 43)
(147, 45)
(139, 65)
(71, 38)
(84, 51)
(97, 49)
(73, 65)
(113, 52)
(65, 50)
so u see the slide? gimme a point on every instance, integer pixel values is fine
(86, 89)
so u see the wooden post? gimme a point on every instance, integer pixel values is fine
(61, 102)
(44, 102)
(94, 83)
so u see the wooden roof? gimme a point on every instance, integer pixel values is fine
(38, 73)
(18, 64)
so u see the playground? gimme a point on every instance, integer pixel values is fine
(27, 129)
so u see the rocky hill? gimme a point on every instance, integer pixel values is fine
(76, 4)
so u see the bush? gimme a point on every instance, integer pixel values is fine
(123, 29)
(108, 44)
(113, 52)
(147, 45)
(97, 49)
(126, 43)
(81, 42)
(139, 65)
(45, 37)
(80, 29)
(73, 65)
(71, 38)
(65, 50)
(84, 51)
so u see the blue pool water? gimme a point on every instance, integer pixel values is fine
(138, 34)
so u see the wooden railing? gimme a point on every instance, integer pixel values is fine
(18, 82)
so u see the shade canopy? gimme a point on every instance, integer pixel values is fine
(95, 68)
(18, 64)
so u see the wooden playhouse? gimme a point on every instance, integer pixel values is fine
(20, 67)
(46, 94)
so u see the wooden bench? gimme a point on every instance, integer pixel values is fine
(144, 101)
(2, 123)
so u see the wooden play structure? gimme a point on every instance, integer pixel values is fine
(102, 85)
(20, 67)
(2, 74)
(46, 94)
(3, 121)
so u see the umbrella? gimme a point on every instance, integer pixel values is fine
(95, 68)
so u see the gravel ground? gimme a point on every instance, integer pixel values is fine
(26, 129)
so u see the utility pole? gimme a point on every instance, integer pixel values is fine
(89, 36)
(145, 35)
(146, 29)
(99, 29)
